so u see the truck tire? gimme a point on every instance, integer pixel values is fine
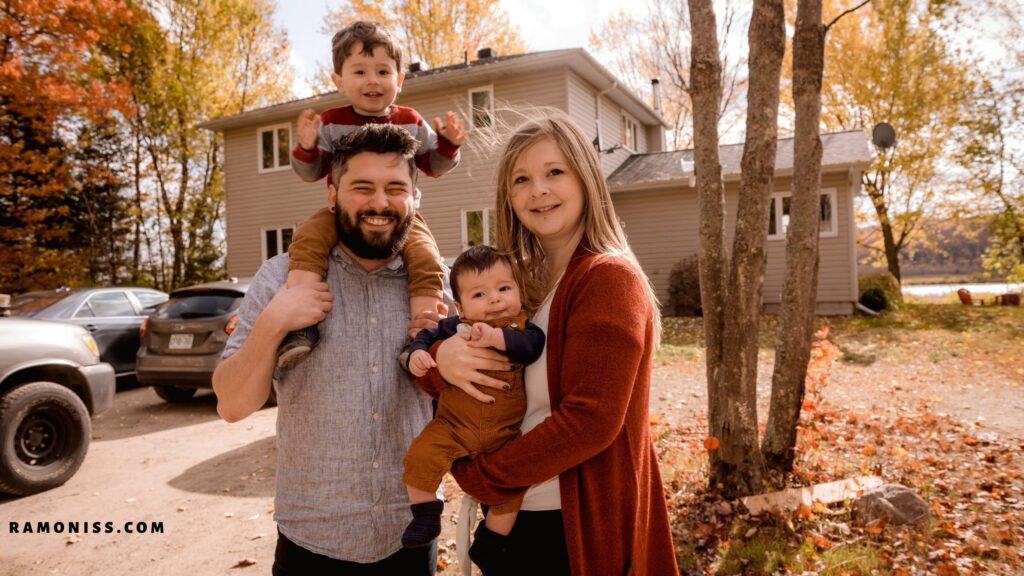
(174, 394)
(45, 432)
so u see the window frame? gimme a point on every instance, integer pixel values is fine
(486, 222)
(489, 89)
(87, 305)
(780, 232)
(273, 128)
(280, 247)
(629, 122)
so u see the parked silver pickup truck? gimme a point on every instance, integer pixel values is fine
(51, 381)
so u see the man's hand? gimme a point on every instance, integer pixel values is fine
(452, 129)
(308, 126)
(420, 362)
(295, 308)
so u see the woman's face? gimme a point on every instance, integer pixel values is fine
(546, 194)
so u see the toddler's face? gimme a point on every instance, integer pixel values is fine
(490, 294)
(371, 83)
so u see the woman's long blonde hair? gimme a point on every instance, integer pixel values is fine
(602, 231)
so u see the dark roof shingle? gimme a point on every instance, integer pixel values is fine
(839, 149)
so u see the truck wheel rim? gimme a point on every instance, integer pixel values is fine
(39, 438)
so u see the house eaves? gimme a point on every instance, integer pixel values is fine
(457, 76)
(841, 151)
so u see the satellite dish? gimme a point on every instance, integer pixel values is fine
(883, 135)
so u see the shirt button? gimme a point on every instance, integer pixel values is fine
(375, 369)
(376, 464)
(373, 320)
(376, 415)
(376, 508)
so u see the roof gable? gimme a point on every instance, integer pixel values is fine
(458, 76)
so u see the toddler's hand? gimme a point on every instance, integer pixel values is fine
(452, 130)
(420, 363)
(308, 126)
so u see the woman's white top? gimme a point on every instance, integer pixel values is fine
(543, 496)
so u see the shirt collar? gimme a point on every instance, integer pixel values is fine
(395, 266)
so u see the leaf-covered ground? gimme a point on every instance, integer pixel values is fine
(930, 396)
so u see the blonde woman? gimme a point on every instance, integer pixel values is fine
(593, 499)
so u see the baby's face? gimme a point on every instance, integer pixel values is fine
(490, 294)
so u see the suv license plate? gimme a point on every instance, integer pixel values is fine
(180, 341)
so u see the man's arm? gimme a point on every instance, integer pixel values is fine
(242, 380)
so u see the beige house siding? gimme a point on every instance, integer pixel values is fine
(471, 185)
(581, 109)
(252, 196)
(663, 227)
(258, 201)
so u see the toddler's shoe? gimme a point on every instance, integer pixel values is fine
(297, 346)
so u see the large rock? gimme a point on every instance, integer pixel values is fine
(899, 503)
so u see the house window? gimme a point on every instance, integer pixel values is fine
(478, 228)
(630, 134)
(481, 107)
(778, 215)
(276, 241)
(275, 147)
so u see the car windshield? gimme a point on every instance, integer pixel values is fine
(30, 304)
(203, 305)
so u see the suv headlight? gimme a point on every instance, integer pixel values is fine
(90, 343)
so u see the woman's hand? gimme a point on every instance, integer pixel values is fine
(460, 366)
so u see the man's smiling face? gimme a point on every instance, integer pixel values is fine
(374, 206)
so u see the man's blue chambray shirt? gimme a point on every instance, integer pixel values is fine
(346, 415)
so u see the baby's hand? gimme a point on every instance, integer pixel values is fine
(308, 126)
(486, 336)
(420, 362)
(452, 130)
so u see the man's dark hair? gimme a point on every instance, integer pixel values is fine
(371, 35)
(476, 259)
(378, 139)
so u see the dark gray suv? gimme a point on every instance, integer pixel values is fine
(51, 381)
(183, 339)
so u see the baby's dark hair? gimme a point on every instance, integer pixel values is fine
(371, 35)
(476, 259)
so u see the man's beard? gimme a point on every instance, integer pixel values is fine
(372, 245)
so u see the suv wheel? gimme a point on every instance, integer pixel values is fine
(45, 432)
(174, 394)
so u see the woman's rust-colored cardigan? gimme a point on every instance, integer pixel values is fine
(597, 439)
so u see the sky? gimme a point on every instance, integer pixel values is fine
(543, 25)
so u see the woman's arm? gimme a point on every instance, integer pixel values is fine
(605, 342)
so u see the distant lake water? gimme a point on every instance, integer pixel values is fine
(940, 289)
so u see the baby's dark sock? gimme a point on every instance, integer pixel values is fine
(425, 525)
(489, 551)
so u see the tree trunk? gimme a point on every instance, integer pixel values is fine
(706, 93)
(892, 250)
(737, 465)
(799, 291)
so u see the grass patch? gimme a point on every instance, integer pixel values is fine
(858, 558)
(766, 552)
(683, 352)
